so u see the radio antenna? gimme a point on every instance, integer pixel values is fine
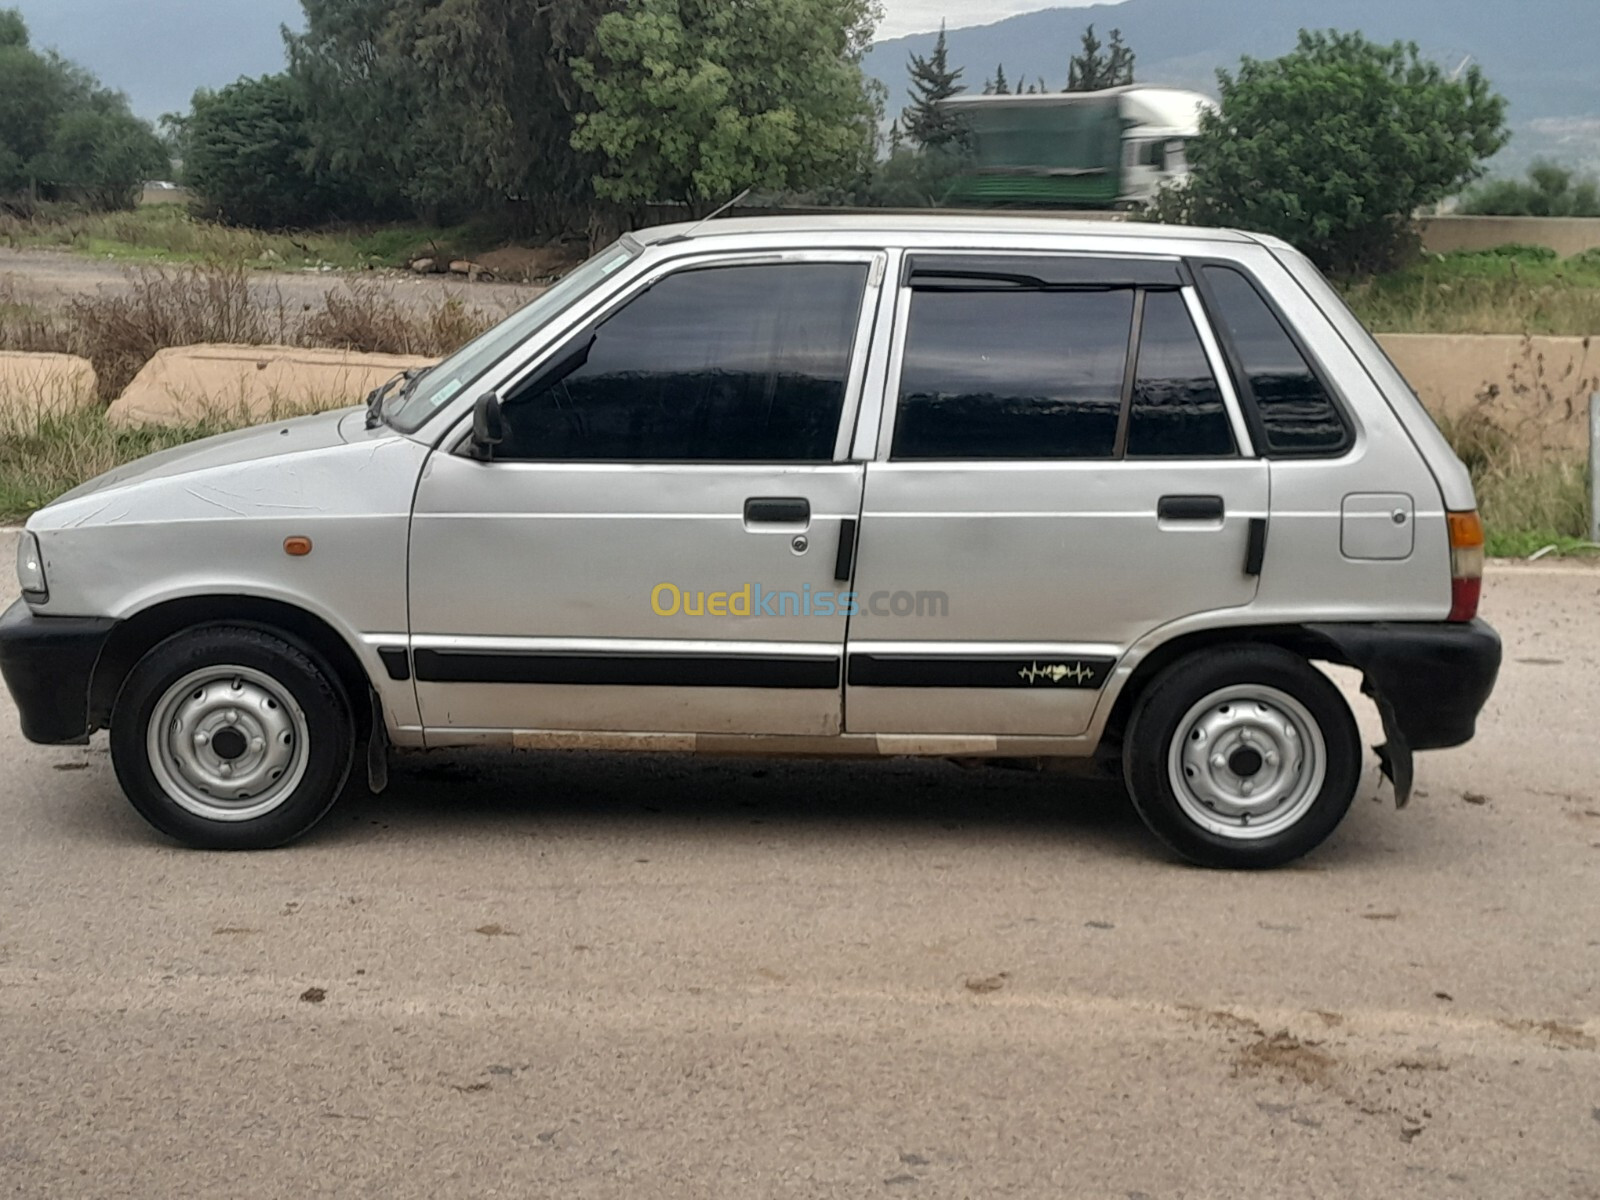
(704, 221)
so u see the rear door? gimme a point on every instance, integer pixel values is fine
(1062, 468)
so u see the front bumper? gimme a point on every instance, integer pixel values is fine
(48, 663)
(1430, 682)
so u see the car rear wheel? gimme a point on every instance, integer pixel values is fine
(1242, 757)
(232, 738)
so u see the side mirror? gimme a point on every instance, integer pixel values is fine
(488, 427)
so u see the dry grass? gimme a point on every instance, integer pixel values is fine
(1532, 485)
(364, 316)
(1531, 496)
(166, 307)
(43, 455)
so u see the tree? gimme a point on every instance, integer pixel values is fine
(928, 124)
(451, 108)
(1334, 147)
(1099, 67)
(247, 155)
(63, 134)
(695, 101)
(101, 157)
(1549, 190)
(999, 85)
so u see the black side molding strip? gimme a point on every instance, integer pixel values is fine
(655, 670)
(844, 563)
(397, 662)
(1255, 555)
(873, 670)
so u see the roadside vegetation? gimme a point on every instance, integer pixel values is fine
(1531, 497)
(165, 308)
(171, 233)
(1515, 289)
(1549, 190)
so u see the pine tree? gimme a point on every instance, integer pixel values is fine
(1101, 66)
(1001, 86)
(927, 124)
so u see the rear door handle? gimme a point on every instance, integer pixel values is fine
(1190, 508)
(780, 510)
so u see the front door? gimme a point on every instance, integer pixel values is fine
(650, 546)
(1064, 473)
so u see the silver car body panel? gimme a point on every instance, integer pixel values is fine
(1063, 567)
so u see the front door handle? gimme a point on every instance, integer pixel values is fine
(1190, 508)
(780, 510)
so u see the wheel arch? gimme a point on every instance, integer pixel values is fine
(136, 636)
(1297, 639)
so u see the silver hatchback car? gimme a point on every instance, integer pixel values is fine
(992, 488)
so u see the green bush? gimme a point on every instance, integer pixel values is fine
(1334, 146)
(1548, 191)
(246, 155)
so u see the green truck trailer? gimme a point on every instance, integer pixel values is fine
(1110, 149)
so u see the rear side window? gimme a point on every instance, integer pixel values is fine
(725, 364)
(1023, 374)
(1297, 414)
(1177, 409)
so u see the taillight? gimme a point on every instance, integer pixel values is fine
(1466, 565)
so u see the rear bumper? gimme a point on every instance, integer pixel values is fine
(48, 663)
(1430, 682)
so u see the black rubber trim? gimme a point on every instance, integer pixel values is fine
(47, 663)
(656, 670)
(875, 670)
(1190, 508)
(1255, 554)
(844, 562)
(781, 510)
(1039, 272)
(396, 661)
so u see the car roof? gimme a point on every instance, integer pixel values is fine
(888, 226)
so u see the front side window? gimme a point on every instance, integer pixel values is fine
(444, 382)
(1297, 413)
(722, 364)
(1013, 374)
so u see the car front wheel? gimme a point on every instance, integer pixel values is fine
(231, 738)
(1242, 757)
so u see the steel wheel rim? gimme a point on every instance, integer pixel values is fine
(1247, 762)
(228, 743)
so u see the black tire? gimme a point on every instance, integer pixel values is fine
(314, 724)
(1166, 712)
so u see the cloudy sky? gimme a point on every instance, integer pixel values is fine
(915, 16)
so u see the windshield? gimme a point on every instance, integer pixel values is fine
(444, 382)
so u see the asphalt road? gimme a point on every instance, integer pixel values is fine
(585, 976)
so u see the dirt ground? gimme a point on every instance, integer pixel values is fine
(604, 976)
